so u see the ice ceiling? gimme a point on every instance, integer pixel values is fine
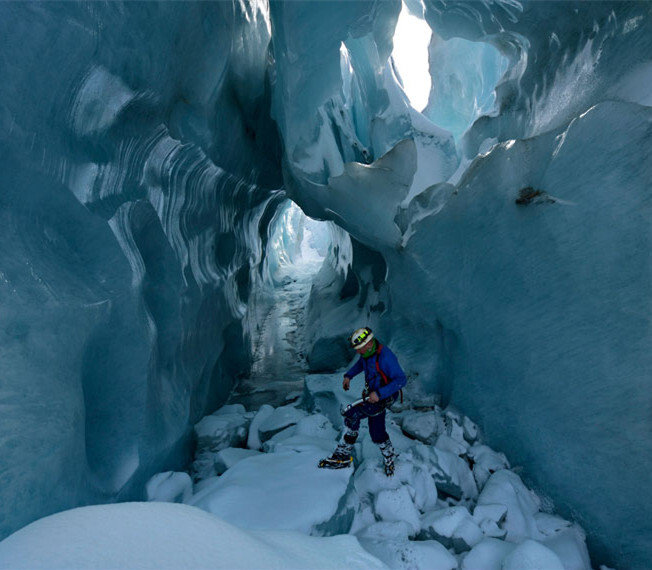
(500, 240)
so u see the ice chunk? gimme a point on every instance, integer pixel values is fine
(487, 555)
(169, 487)
(506, 488)
(453, 476)
(228, 409)
(485, 462)
(220, 431)
(424, 426)
(407, 555)
(278, 420)
(471, 430)
(447, 443)
(283, 490)
(253, 441)
(227, 458)
(316, 425)
(454, 428)
(569, 545)
(489, 518)
(397, 505)
(387, 530)
(223, 429)
(453, 527)
(532, 555)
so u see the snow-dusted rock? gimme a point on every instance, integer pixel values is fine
(506, 488)
(409, 554)
(281, 491)
(253, 442)
(532, 555)
(486, 461)
(227, 458)
(397, 505)
(278, 420)
(169, 487)
(487, 555)
(453, 527)
(424, 426)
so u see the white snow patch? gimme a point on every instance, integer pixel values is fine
(168, 536)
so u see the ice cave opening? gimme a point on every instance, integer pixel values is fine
(296, 249)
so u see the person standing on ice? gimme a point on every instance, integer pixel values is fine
(384, 379)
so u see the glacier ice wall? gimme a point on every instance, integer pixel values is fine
(139, 165)
(143, 149)
(527, 246)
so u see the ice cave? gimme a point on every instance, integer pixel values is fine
(200, 201)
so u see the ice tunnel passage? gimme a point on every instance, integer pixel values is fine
(147, 148)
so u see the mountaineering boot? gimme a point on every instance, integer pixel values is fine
(387, 449)
(341, 457)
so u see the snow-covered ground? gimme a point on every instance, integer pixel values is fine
(256, 499)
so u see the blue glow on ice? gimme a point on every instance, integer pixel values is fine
(465, 75)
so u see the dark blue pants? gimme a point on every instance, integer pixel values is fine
(375, 413)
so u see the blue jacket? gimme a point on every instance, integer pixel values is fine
(388, 364)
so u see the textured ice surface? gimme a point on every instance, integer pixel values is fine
(129, 222)
(143, 146)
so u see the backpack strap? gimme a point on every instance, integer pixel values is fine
(382, 374)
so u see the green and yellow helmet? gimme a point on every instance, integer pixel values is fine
(361, 337)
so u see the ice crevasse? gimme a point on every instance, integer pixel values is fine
(148, 150)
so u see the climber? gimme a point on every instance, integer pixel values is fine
(384, 379)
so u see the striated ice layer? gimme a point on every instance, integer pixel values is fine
(134, 193)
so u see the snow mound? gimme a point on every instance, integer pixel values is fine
(165, 536)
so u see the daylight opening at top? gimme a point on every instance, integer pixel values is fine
(411, 40)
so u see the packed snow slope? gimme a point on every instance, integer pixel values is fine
(146, 148)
